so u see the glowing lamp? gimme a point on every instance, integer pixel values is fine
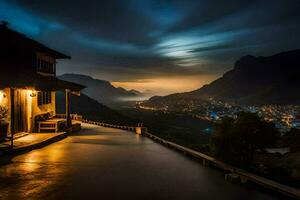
(32, 93)
(2, 96)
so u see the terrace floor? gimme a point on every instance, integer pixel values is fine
(28, 140)
(107, 163)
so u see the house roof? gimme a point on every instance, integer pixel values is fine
(14, 43)
(10, 38)
(37, 82)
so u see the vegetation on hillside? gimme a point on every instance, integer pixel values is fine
(243, 142)
(93, 110)
(236, 140)
(181, 129)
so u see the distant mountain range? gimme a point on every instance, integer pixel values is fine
(253, 80)
(101, 90)
(92, 110)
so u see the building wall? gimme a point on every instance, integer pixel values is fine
(38, 110)
(5, 101)
(32, 107)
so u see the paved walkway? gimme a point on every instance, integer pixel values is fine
(105, 163)
(30, 141)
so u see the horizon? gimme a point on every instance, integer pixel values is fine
(140, 87)
(159, 46)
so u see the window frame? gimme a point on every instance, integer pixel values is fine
(45, 64)
(44, 98)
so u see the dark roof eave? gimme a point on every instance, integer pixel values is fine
(37, 46)
(71, 86)
(50, 51)
(38, 82)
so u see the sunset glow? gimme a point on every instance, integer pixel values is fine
(167, 85)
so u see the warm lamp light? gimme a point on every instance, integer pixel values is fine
(32, 93)
(2, 94)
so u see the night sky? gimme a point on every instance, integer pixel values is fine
(161, 46)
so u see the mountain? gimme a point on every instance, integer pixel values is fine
(92, 110)
(136, 92)
(100, 90)
(253, 80)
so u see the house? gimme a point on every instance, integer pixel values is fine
(28, 82)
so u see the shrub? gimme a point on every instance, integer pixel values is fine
(3, 113)
(236, 140)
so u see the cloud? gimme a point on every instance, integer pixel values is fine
(129, 40)
(108, 19)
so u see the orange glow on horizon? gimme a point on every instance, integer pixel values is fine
(167, 85)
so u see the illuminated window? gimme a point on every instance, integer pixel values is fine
(44, 98)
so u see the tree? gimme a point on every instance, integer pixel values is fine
(292, 139)
(221, 139)
(236, 140)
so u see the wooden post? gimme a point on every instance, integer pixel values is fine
(138, 130)
(68, 115)
(12, 116)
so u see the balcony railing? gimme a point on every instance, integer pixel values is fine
(73, 116)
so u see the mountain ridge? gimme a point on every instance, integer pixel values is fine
(253, 80)
(101, 90)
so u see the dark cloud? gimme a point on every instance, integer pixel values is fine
(132, 39)
(204, 12)
(108, 19)
(232, 14)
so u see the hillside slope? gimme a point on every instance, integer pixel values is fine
(253, 80)
(100, 90)
(92, 110)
